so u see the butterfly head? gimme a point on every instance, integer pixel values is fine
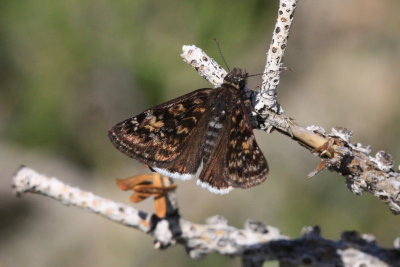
(236, 78)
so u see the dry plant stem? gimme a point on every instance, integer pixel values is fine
(266, 99)
(256, 243)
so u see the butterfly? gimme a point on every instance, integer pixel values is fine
(207, 133)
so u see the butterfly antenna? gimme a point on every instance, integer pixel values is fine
(281, 69)
(252, 75)
(222, 55)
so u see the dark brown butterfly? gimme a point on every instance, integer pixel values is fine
(207, 133)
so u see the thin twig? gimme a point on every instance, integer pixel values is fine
(266, 99)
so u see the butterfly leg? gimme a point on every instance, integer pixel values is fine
(327, 152)
(146, 185)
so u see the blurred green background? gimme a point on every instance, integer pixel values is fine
(69, 70)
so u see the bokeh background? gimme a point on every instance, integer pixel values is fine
(69, 70)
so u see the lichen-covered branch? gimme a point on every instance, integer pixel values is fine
(266, 99)
(255, 243)
(362, 171)
(206, 66)
(28, 180)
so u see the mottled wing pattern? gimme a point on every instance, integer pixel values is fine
(231, 156)
(208, 127)
(167, 137)
(245, 161)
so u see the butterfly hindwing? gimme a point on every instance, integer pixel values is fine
(245, 161)
(167, 136)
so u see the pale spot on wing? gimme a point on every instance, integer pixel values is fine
(245, 145)
(182, 129)
(177, 109)
(154, 124)
(199, 109)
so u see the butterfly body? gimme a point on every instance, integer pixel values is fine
(206, 133)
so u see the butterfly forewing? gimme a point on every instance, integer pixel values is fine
(167, 136)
